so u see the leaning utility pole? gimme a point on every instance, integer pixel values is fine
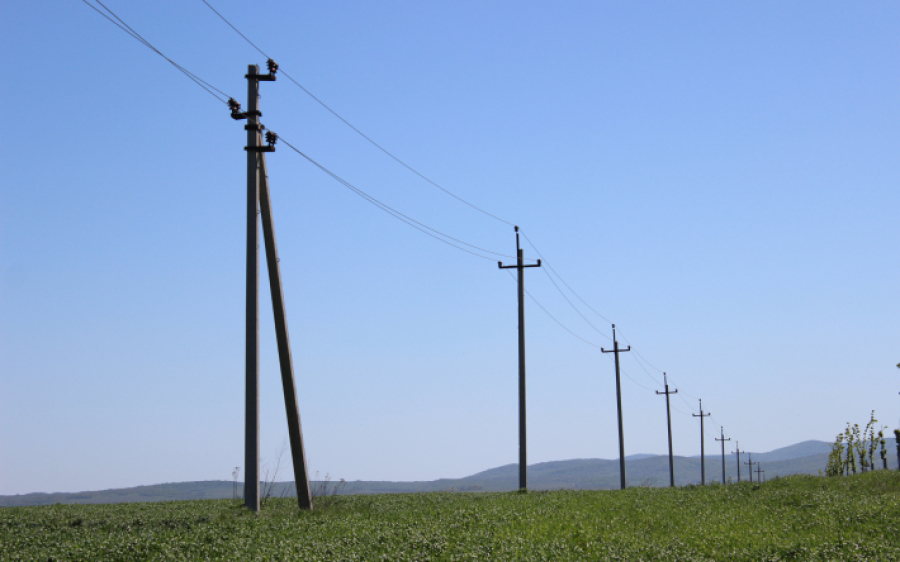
(520, 267)
(723, 440)
(669, 420)
(701, 415)
(259, 198)
(616, 350)
(751, 463)
(737, 451)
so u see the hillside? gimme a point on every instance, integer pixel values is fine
(808, 457)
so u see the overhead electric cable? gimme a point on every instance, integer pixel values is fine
(563, 326)
(632, 379)
(121, 24)
(638, 361)
(564, 281)
(434, 233)
(550, 277)
(359, 132)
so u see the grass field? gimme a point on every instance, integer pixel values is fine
(792, 518)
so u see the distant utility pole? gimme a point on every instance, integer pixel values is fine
(751, 463)
(723, 440)
(701, 415)
(759, 471)
(520, 267)
(669, 420)
(737, 451)
(258, 198)
(616, 350)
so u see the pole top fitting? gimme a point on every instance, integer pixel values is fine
(517, 228)
(272, 66)
(235, 108)
(271, 138)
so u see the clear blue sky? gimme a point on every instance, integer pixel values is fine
(719, 179)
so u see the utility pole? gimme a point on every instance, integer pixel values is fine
(737, 451)
(259, 198)
(616, 350)
(759, 471)
(751, 463)
(723, 440)
(669, 421)
(701, 415)
(520, 267)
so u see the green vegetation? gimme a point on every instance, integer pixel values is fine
(791, 518)
(858, 444)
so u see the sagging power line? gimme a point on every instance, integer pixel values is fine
(120, 23)
(406, 219)
(359, 132)
(441, 236)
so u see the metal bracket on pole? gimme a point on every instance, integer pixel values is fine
(271, 138)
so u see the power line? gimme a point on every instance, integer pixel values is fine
(359, 132)
(566, 284)
(427, 179)
(642, 366)
(121, 24)
(563, 326)
(575, 308)
(434, 233)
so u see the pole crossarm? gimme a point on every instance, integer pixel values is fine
(667, 392)
(617, 350)
(523, 448)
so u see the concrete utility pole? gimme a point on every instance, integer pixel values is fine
(251, 428)
(751, 463)
(759, 471)
(723, 440)
(520, 267)
(259, 197)
(669, 421)
(701, 415)
(737, 451)
(616, 350)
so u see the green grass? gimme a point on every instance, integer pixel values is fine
(793, 518)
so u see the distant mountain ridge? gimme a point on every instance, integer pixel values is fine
(808, 457)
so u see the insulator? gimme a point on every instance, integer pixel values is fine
(234, 105)
(271, 137)
(273, 66)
